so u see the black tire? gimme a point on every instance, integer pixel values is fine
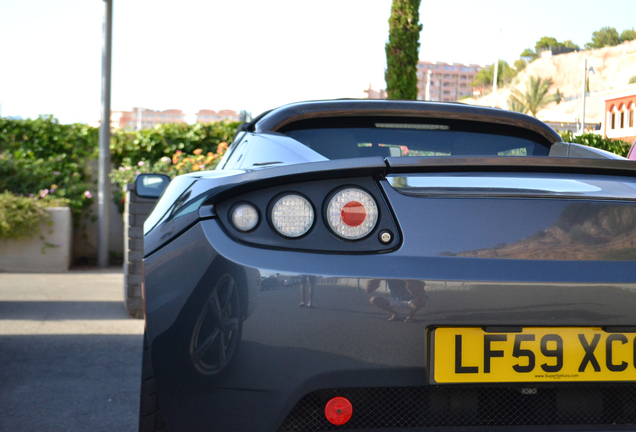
(150, 415)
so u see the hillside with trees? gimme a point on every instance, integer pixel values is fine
(559, 78)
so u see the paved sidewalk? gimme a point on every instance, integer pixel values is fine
(70, 356)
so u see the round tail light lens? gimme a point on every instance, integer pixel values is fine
(292, 215)
(338, 411)
(244, 217)
(352, 213)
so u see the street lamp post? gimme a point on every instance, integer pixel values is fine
(103, 182)
(427, 95)
(585, 72)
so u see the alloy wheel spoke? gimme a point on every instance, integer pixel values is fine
(222, 358)
(230, 324)
(206, 345)
(228, 298)
(215, 304)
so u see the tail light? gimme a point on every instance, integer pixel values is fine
(292, 215)
(244, 217)
(352, 213)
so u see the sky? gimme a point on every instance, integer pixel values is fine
(253, 55)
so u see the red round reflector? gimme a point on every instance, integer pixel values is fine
(353, 213)
(338, 411)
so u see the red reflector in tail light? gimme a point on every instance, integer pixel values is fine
(353, 214)
(338, 411)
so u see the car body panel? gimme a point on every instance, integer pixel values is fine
(489, 242)
(344, 341)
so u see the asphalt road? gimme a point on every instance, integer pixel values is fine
(70, 356)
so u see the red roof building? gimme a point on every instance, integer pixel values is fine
(620, 117)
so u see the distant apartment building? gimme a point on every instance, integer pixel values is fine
(449, 81)
(209, 116)
(120, 119)
(375, 94)
(146, 118)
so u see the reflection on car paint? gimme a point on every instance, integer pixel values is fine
(517, 228)
(584, 231)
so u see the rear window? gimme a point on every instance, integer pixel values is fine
(396, 137)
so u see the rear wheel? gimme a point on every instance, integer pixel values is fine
(217, 332)
(150, 415)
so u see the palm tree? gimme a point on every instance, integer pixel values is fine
(515, 105)
(534, 99)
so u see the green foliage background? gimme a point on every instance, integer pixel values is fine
(41, 157)
(44, 163)
(165, 139)
(20, 216)
(505, 74)
(402, 50)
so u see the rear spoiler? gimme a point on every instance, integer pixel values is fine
(572, 150)
(564, 165)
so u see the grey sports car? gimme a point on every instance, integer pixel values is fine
(393, 266)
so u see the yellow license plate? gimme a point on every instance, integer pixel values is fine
(535, 354)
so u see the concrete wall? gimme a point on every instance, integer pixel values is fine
(135, 214)
(47, 252)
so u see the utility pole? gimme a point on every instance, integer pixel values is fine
(427, 95)
(584, 94)
(103, 192)
(585, 73)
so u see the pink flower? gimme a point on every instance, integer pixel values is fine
(88, 195)
(165, 159)
(141, 163)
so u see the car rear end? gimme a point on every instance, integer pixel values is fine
(489, 293)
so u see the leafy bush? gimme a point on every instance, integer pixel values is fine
(163, 140)
(54, 176)
(45, 137)
(618, 147)
(179, 163)
(42, 157)
(20, 216)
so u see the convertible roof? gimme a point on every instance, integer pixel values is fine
(274, 120)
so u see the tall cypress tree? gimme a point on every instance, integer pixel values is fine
(402, 50)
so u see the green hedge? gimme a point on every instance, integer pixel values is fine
(163, 140)
(591, 139)
(20, 216)
(41, 157)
